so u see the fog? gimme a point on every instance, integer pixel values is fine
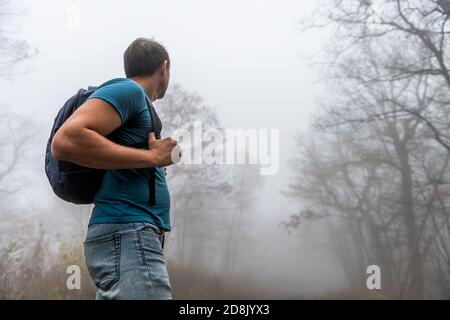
(253, 67)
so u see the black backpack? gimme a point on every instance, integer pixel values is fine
(78, 184)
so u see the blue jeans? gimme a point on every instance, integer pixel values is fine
(126, 261)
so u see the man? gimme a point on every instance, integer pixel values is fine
(125, 237)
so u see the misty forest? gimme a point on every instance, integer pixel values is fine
(368, 181)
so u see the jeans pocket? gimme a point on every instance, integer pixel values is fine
(102, 256)
(153, 258)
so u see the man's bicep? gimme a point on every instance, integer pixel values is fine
(98, 115)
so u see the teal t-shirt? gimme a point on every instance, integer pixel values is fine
(124, 195)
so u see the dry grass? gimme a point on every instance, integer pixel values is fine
(38, 274)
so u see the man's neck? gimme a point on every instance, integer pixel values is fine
(148, 86)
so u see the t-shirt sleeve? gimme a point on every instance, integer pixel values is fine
(125, 97)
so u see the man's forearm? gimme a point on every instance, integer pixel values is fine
(90, 149)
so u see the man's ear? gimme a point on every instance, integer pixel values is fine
(164, 68)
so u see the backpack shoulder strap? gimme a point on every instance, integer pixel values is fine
(157, 127)
(156, 121)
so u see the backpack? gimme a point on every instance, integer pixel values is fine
(78, 184)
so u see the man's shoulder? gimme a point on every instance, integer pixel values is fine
(123, 84)
(125, 95)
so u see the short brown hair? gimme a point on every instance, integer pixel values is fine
(143, 57)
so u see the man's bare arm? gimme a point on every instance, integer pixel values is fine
(82, 140)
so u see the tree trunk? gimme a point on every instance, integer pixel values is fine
(414, 262)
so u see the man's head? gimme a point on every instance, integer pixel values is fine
(146, 59)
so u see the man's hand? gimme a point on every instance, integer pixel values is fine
(161, 149)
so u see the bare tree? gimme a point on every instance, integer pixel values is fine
(209, 202)
(379, 172)
(17, 139)
(16, 132)
(398, 39)
(13, 52)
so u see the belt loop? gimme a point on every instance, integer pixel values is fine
(162, 240)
